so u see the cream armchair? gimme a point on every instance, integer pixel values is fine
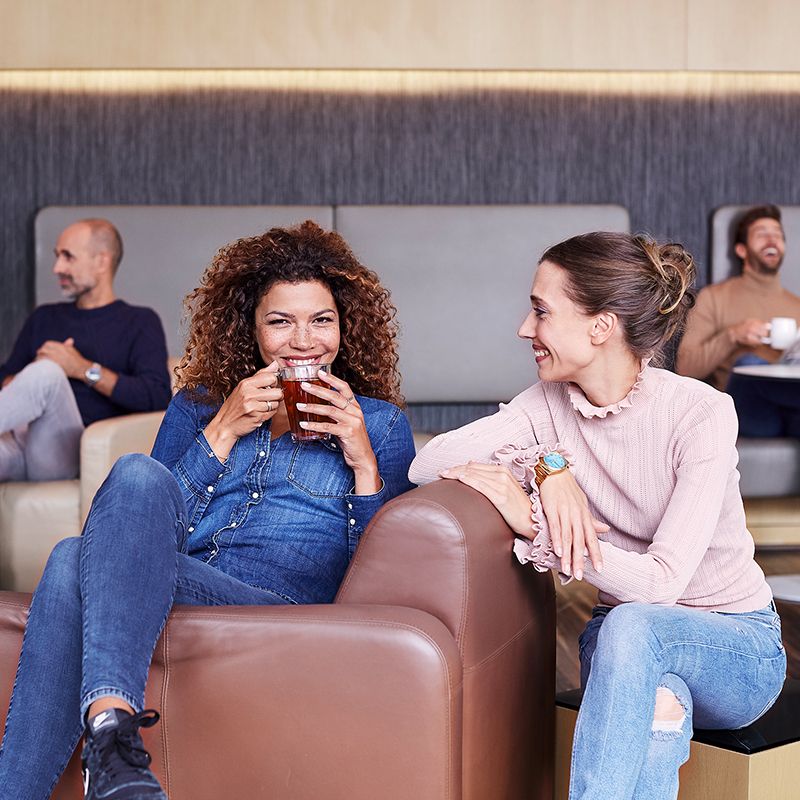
(34, 516)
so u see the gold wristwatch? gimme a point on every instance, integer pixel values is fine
(550, 464)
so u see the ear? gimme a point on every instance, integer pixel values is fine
(740, 250)
(104, 262)
(603, 327)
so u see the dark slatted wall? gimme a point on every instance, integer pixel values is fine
(668, 160)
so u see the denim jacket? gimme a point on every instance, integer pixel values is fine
(280, 515)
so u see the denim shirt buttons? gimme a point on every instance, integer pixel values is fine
(281, 515)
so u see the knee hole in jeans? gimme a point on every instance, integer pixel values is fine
(670, 713)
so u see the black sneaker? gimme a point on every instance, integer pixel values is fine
(115, 764)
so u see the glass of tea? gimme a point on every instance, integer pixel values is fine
(293, 393)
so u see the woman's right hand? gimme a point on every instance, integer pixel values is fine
(251, 403)
(573, 530)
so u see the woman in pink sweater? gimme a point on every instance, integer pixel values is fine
(624, 475)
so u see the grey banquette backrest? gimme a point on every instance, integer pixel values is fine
(460, 277)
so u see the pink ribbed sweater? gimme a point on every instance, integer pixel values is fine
(659, 467)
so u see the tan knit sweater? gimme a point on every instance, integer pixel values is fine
(659, 468)
(706, 349)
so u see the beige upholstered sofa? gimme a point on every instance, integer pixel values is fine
(34, 516)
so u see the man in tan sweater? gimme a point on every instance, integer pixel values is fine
(731, 319)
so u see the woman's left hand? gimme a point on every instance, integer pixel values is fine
(498, 485)
(347, 426)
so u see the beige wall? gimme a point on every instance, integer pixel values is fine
(401, 34)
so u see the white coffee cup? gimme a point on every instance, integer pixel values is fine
(782, 332)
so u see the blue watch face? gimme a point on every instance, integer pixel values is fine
(555, 461)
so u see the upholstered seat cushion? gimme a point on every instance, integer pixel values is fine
(769, 467)
(33, 518)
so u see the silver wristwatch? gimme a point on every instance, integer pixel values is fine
(93, 374)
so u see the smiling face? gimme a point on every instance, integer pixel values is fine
(765, 246)
(297, 323)
(560, 332)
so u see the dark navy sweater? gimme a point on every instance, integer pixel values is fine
(127, 339)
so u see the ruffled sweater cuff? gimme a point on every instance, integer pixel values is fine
(538, 549)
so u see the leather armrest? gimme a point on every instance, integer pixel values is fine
(105, 441)
(13, 618)
(444, 548)
(308, 701)
(293, 701)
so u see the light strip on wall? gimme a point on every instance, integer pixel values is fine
(402, 82)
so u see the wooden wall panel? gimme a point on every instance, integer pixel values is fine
(405, 34)
(347, 34)
(733, 35)
(743, 35)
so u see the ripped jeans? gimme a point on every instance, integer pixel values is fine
(724, 669)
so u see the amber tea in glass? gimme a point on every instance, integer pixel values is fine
(293, 393)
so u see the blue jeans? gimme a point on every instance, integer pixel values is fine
(725, 670)
(766, 408)
(96, 617)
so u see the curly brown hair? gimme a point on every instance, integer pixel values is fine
(222, 349)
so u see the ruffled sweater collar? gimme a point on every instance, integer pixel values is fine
(581, 403)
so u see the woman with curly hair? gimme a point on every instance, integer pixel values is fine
(230, 510)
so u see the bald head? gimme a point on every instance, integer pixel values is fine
(104, 238)
(87, 255)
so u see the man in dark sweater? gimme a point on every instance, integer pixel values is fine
(78, 362)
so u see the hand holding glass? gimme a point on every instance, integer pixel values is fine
(291, 379)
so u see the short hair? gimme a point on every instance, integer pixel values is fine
(768, 211)
(105, 237)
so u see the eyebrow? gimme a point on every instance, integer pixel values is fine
(768, 228)
(287, 315)
(62, 251)
(537, 299)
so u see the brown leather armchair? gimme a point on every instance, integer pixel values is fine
(430, 678)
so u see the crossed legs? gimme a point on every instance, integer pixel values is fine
(40, 425)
